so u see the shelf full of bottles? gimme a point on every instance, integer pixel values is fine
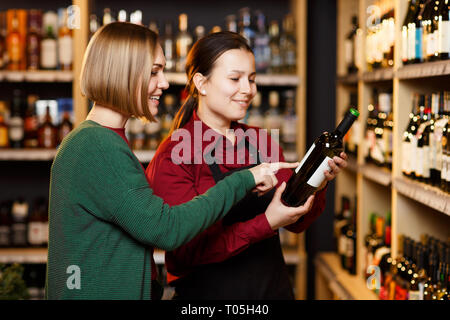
(39, 47)
(400, 180)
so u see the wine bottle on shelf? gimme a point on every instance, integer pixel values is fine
(273, 119)
(93, 24)
(65, 126)
(5, 224)
(49, 48)
(245, 26)
(419, 276)
(169, 48)
(349, 46)
(423, 145)
(418, 120)
(288, 45)
(309, 175)
(231, 24)
(289, 123)
(152, 134)
(430, 285)
(47, 132)
(444, 30)
(405, 40)
(19, 214)
(262, 49)
(341, 221)
(370, 135)
(274, 44)
(3, 37)
(4, 136)
(14, 43)
(16, 128)
(255, 115)
(428, 32)
(417, 30)
(167, 115)
(350, 252)
(436, 138)
(33, 42)
(183, 42)
(31, 123)
(65, 42)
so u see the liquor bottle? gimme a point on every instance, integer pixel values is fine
(3, 46)
(136, 18)
(418, 120)
(444, 30)
(274, 44)
(93, 25)
(4, 136)
(419, 277)
(407, 139)
(107, 16)
(428, 32)
(262, 49)
(388, 127)
(65, 126)
(445, 172)
(183, 42)
(47, 132)
(65, 41)
(411, 32)
(49, 48)
(255, 116)
(433, 43)
(152, 134)
(33, 45)
(122, 16)
(14, 43)
(273, 118)
(350, 253)
(230, 23)
(430, 285)
(349, 47)
(288, 46)
(5, 224)
(409, 18)
(341, 219)
(167, 115)
(168, 45)
(417, 29)
(289, 123)
(353, 136)
(16, 127)
(370, 136)
(245, 26)
(199, 32)
(309, 174)
(35, 225)
(387, 38)
(19, 214)
(31, 123)
(422, 169)
(435, 137)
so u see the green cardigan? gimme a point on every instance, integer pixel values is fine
(104, 218)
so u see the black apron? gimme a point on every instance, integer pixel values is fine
(259, 272)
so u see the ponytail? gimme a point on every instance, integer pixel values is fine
(184, 114)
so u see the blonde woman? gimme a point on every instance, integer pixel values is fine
(104, 218)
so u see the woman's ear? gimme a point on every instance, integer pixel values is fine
(200, 83)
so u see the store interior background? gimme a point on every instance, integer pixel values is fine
(32, 180)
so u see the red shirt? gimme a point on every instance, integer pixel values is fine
(121, 132)
(179, 183)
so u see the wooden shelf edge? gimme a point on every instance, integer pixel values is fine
(378, 75)
(379, 175)
(424, 70)
(428, 195)
(23, 255)
(36, 76)
(350, 79)
(343, 284)
(27, 154)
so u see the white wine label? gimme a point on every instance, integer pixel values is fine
(48, 53)
(405, 43)
(34, 233)
(318, 177)
(305, 157)
(65, 50)
(406, 155)
(444, 38)
(414, 295)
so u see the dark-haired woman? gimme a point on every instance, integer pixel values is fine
(240, 256)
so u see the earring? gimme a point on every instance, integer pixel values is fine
(203, 92)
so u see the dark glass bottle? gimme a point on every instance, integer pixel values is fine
(47, 133)
(65, 126)
(31, 123)
(309, 174)
(444, 27)
(16, 127)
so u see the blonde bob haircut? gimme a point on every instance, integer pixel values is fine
(116, 68)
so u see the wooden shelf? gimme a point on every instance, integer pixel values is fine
(428, 195)
(27, 154)
(344, 285)
(379, 175)
(424, 70)
(350, 79)
(36, 76)
(261, 79)
(378, 75)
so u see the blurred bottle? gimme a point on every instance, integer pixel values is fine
(230, 23)
(168, 114)
(107, 16)
(65, 126)
(255, 115)
(47, 132)
(19, 214)
(199, 33)
(5, 224)
(3, 44)
(289, 123)
(16, 126)
(4, 135)
(262, 49)
(34, 39)
(93, 25)
(14, 43)
(350, 47)
(152, 134)
(288, 45)
(168, 45)
(183, 42)
(31, 123)
(275, 51)
(49, 48)
(272, 117)
(65, 42)
(246, 28)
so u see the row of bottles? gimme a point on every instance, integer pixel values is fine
(34, 123)
(274, 111)
(421, 272)
(380, 36)
(345, 234)
(352, 138)
(426, 31)
(274, 45)
(425, 147)
(379, 128)
(33, 40)
(23, 224)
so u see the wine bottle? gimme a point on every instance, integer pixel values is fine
(309, 175)
(444, 31)
(406, 23)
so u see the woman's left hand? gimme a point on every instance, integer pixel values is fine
(336, 165)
